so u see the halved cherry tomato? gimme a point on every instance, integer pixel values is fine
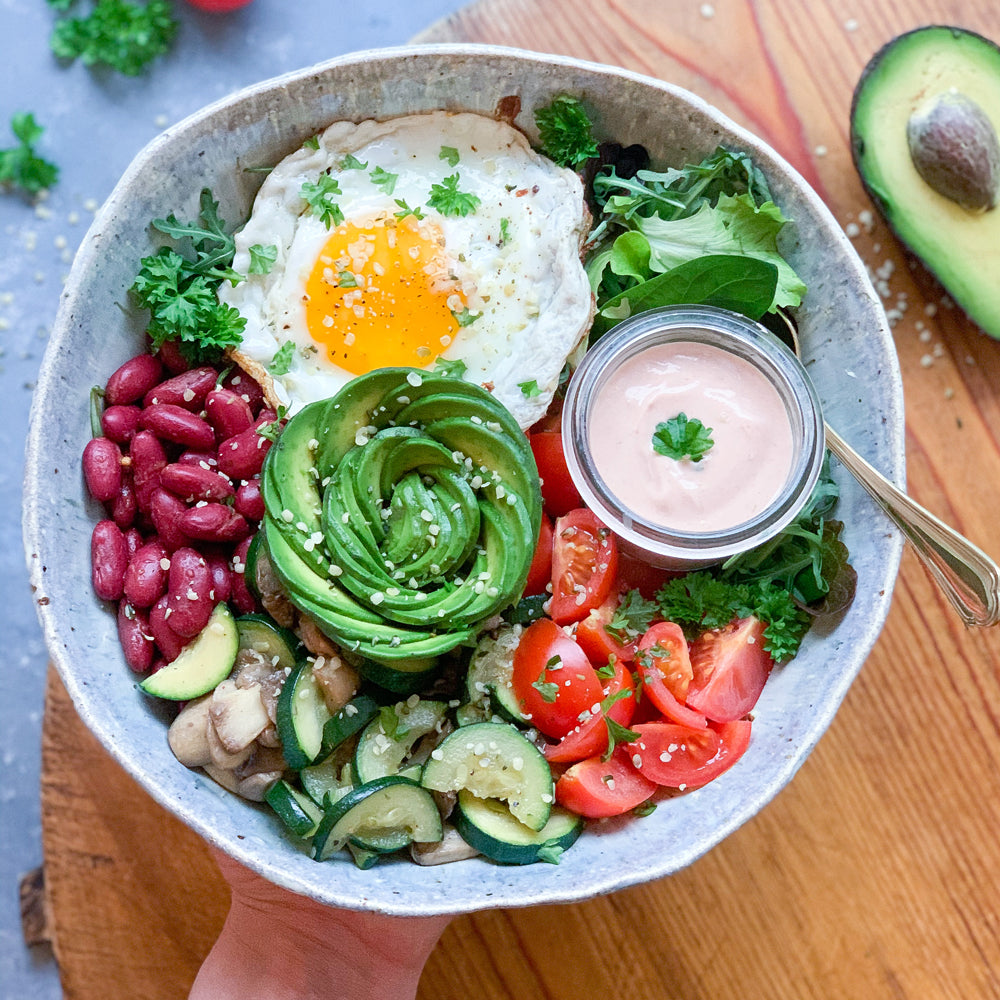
(552, 678)
(584, 564)
(590, 738)
(540, 572)
(596, 788)
(664, 667)
(634, 574)
(598, 643)
(730, 667)
(559, 492)
(682, 757)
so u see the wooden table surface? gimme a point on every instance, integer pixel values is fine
(876, 873)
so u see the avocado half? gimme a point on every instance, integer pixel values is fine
(924, 124)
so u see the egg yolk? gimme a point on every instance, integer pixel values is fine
(381, 293)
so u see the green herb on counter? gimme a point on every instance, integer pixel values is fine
(21, 166)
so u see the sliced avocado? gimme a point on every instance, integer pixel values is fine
(924, 125)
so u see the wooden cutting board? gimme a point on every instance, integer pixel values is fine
(876, 873)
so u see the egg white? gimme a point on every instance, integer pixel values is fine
(516, 257)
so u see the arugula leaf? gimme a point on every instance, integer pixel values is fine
(450, 155)
(21, 166)
(319, 197)
(566, 132)
(448, 200)
(119, 34)
(383, 180)
(262, 258)
(681, 437)
(282, 360)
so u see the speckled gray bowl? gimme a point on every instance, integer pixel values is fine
(847, 346)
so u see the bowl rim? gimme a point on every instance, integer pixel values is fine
(520, 893)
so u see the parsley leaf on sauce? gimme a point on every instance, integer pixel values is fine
(681, 437)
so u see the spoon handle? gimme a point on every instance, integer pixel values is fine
(969, 578)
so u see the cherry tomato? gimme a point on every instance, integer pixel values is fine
(590, 738)
(593, 635)
(584, 564)
(540, 572)
(218, 6)
(730, 667)
(559, 492)
(596, 788)
(634, 574)
(682, 757)
(552, 678)
(664, 667)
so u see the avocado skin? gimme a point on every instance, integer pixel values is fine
(959, 247)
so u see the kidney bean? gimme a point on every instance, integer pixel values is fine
(187, 390)
(108, 560)
(169, 353)
(169, 642)
(135, 637)
(146, 576)
(133, 380)
(206, 459)
(123, 506)
(189, 589)
(102, 468)
(148, 458)
(191, 482)
(240, 596)
(214, 522)
(165, 511)
(247, 388)
(133, 540)
(174, 423)
(120, 423)
(222, 585)
(227, 412)
(249, 501)
(242, 456)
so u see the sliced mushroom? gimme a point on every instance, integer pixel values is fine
(313, 639)
(272, 596)
(451, 847)
(188, 733)
(238, 714)
(338, 681)
(222, 776)
(220, 756)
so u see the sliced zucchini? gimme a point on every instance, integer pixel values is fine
(363, 858)
(205, 661)
(264, 635)
(489, 827)
(342, 725)
(390, 736)
(294, 808)
(301, 716)
(403, 682)
(250, 569)
(494, 761)
(377, 812)
(490, 670)
(327, 781)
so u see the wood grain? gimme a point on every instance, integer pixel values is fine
(876, 873)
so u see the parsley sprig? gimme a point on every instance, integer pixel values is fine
(566, 132)
(682, 437)
(21, 166)
(448, 200)
(319, 197)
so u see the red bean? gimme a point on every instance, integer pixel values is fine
(249, 501)
(120, 423)
(148, 458)
(169, 642)
(189, 590)
(240, 596)
(166, 511)
(146, 576)
(123, 506)
(227, 412)
(174, 423)
(169, 353)
(135, 637)
(133, 380)
(222, 584)
(214, 522)
(247, 388)
(191, 482)
(242, 456)
(206, 459)
(187, 390)
(133, 541)
(102, 468)
(108, 560)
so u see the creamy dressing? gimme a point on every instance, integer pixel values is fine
(740, 475)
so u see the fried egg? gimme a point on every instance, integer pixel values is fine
(419, 241)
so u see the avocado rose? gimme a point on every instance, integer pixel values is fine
(402, 513)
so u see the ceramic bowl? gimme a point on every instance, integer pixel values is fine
(846, 345)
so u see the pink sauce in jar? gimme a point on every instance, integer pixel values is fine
(738, 477)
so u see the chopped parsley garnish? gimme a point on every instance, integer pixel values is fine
(384, 180)
(122, 35)
(351, 162)
(680, 437)
(504, 230)
(311, 143)
(450, 155)
(617, 733)
(450, 369)
(529, 388)
(179, 287)
(632, 617)
(282, 360)
(319, 197)
(346, 279)
(21, 166)
(262, 258)
(405, 210)
(273, 429)
(644, 809)
(448, 200)
(549, 690)
(607, 671)
(465, 318)
(566, 132)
